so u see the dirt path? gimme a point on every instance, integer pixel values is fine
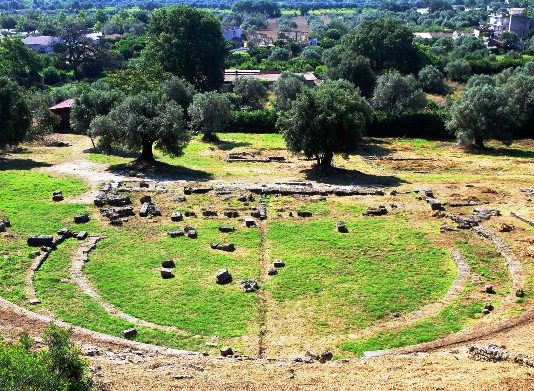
(76, 272)
(29, 288)
(263, 296)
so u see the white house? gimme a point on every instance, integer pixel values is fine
(513, 20)
(41, 43)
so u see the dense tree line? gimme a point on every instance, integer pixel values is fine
(159, 85)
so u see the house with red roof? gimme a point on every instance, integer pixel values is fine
(63, 110)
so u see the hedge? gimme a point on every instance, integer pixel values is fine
(493, 67)
(255, 121)
(429, 124)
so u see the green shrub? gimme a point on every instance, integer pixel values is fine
(255, 121)
(488, 67)
(58, 368)
(429, 124)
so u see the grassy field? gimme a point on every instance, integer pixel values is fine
(358, 278)
(484, 262)
(26, 199)
(333, 285)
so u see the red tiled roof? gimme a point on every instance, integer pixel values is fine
(66, 104)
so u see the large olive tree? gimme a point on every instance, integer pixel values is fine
(325, 120)
(141, 122)
(210, 112)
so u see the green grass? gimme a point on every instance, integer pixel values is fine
(25, 198)
(68, 303)
(452, 319)
(125, 269)
(483, 260)
(360, 277)
(203, 160)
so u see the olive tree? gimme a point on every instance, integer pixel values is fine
(286, 89)
(141, 122)
(458, 70)
(210, 112)
(479, 115)
(325, 120)
(250, 90)
(88, 106)
(345, 64)
(397, 94)
(179, 90)
(431, 80)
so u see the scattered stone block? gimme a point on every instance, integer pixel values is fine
(6, 223)
(35, 301)
(116, 223)
(166, 273)
(223, 276)
(226, 228)
(81, 235)
(118, 201)
(209, 213)
(57, 196)
(190, 213)
(146, 198)
(65, 232)
(129, 333)
(341, 227)
(272, 271)
(192, 233)
(304, 213)
(149, 209)
(231, 214)
(227, 351)
(176, 233)
(81, 218)
(325, 356)
(276, 158)
(434, 204)
(489, 289)
(506, 227)
(144, 209)
(380, 211)
(425, 192)
(143, 185)
(180, 198)
(520, 293)
(228, 247)
(177, 216)
(196, 190)
(250, 222)
(278, 263)
(249, 286)
(58, 240)
(168, 263)
(40, 240)
(2, 227)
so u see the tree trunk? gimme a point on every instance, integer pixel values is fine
(147, 155)
(326, 161)
(479, 142)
